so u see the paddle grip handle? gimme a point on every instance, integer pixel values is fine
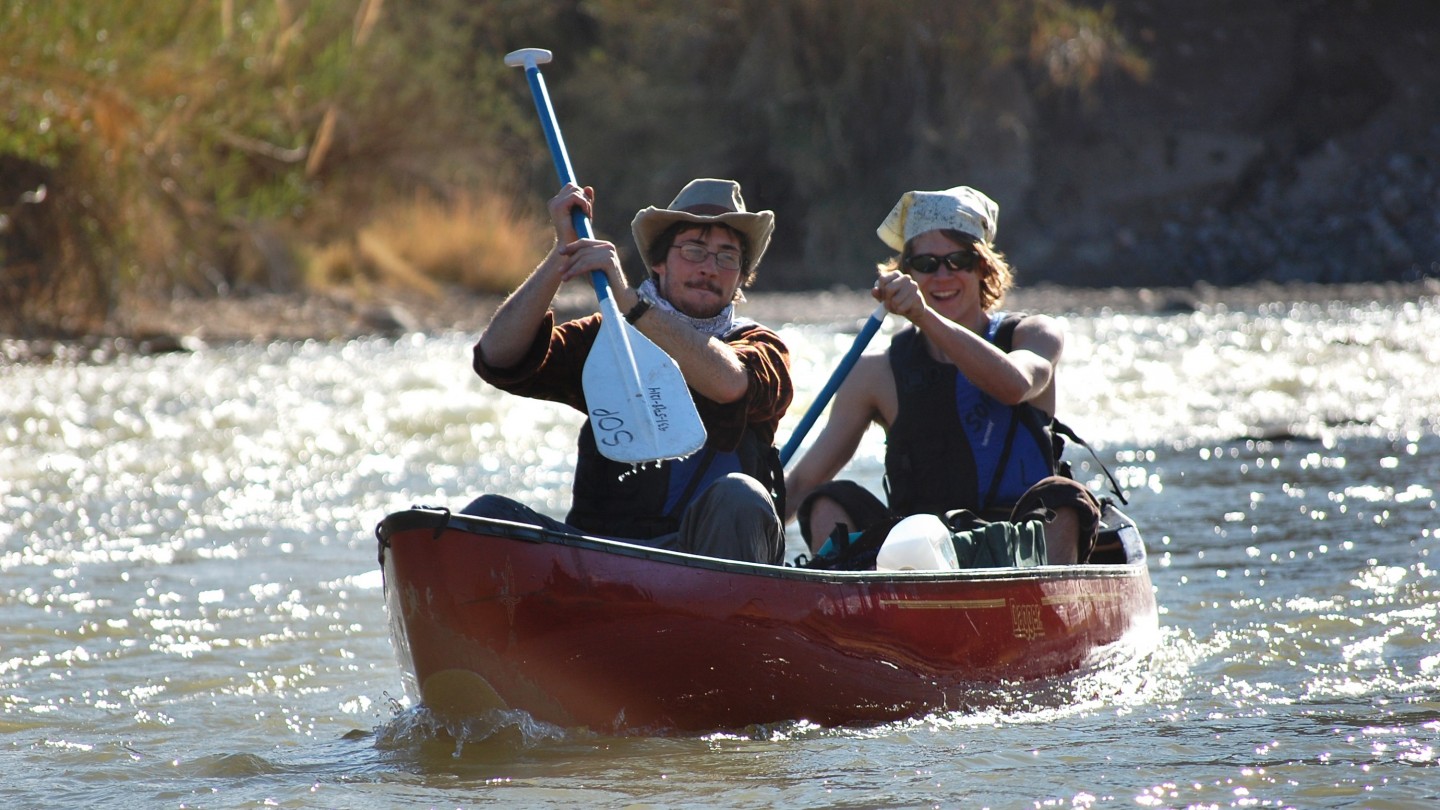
(872, 325)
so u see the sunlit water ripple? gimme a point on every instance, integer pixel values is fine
(194, 617)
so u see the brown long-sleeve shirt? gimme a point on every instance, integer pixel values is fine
(551, 370)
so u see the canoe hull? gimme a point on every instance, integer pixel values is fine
(580, 631)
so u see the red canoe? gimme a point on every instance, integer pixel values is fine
(580, 631)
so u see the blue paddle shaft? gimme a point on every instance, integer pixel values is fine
(833, 384)
(561, 158)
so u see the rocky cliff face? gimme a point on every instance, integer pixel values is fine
(1294, 141)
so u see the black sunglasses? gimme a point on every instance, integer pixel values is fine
(959, 262)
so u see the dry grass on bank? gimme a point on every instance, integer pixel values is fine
(479, 243)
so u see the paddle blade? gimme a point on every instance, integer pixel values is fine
(651, 421)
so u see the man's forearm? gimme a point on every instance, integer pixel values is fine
(710, 366)
(512, 328)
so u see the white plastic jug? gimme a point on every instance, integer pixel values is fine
(917, 543)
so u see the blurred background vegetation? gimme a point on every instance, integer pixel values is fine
(161, 148)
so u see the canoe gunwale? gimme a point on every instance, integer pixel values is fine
(439, 520)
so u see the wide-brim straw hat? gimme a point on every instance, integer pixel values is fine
(707, 201)
(960, 209)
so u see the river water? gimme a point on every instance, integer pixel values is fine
(191, 613)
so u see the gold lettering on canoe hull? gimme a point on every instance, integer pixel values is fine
(1026, 620)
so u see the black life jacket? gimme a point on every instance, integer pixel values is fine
(614, 499)
(953, 446)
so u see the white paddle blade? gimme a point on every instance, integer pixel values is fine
(651, 421)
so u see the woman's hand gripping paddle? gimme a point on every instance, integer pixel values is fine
(640, 407)
(833, 384)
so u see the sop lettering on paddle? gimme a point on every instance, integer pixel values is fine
(611, 428)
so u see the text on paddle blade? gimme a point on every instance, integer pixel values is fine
(610, 428)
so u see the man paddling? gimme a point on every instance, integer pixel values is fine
(965, 394)
(700, 251)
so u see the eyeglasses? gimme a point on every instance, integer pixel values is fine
(959, 262)
(724, 259)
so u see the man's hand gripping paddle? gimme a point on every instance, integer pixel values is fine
(640, 407)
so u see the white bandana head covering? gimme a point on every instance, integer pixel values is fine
(960, 208)
(718, 326)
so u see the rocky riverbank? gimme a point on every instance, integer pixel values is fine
(1268, 141)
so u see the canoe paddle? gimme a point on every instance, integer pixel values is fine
(872, 325)
(640, 407)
